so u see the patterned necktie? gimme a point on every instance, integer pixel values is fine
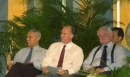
(103, 58)
(29, 56)
(61, 57)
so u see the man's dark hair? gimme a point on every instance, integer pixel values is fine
(73, 30)
(120, 31)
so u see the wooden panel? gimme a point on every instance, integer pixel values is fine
(15, 7)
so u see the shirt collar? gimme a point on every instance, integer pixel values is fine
(67, 45)
(110, 44)
(35, 47)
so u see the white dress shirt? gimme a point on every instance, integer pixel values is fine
(73, 57)
(119, 57)
(37, 56)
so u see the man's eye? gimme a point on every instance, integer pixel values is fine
(29, 37)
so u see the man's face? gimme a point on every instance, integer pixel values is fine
(66, 35)
(104, 36)
(32, 39)
(115, 38)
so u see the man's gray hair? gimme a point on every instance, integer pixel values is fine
(105, 27)
(38, 33)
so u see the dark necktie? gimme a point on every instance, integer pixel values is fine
(61, 57)
(103, 58)
(29, 56)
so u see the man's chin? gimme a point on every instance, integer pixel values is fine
(29, 45)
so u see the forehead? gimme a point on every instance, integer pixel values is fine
(103, 31)
(114, 31)
(66, 29)
(31, 34)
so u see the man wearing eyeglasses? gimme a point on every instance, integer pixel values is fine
(104, 58)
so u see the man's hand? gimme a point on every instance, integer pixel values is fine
(10, 65)
(45, 69)
(99, 70)
(62, 72)
(92, 70)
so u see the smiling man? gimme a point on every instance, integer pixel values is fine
(63, 58)
(104, 58)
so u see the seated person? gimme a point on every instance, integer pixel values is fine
(56, 64)
(104, 58)
(117, 37)
(27, 61)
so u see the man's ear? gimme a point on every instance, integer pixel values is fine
(120, 37)
(38, 38)
(72, 36)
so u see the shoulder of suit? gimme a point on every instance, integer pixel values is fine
(119, 46)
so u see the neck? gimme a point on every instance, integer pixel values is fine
(119, 43)
(66, 42)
